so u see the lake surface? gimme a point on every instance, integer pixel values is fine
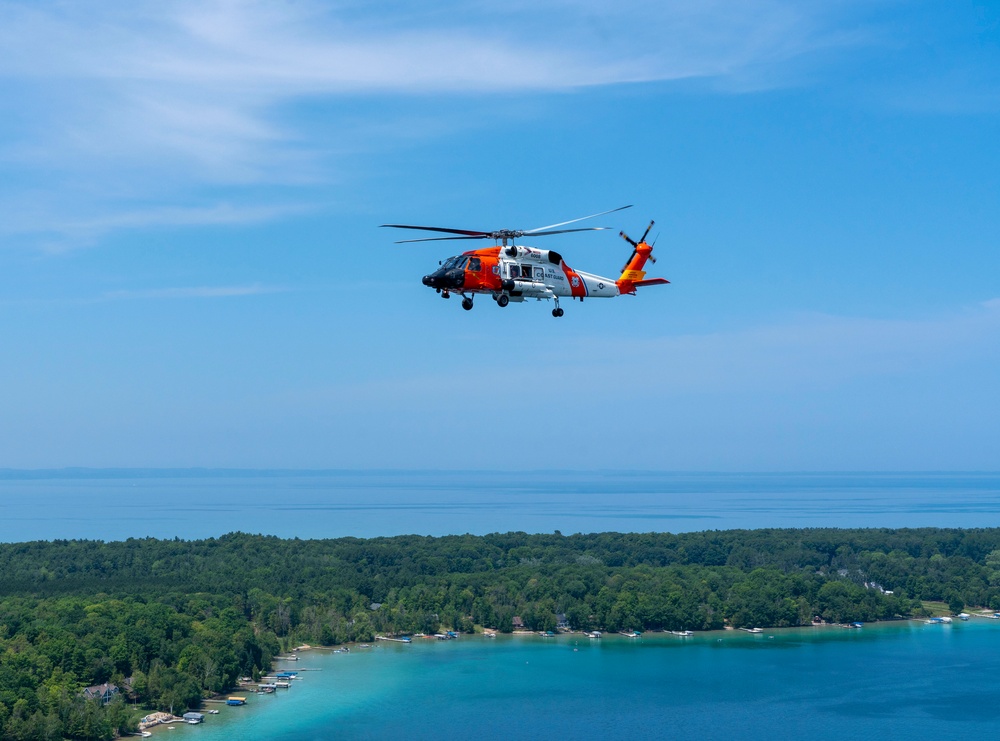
(895, 680)
(114, 505)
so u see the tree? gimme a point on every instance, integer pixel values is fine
(956, 604)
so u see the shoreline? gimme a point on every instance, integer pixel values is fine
(701, 637)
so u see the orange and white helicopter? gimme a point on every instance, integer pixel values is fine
(516, 272)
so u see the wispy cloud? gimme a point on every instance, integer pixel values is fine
(57, 231)
(809, 353)
(194, 292)
(139, 102)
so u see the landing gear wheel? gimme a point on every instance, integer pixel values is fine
(467, 303)
(557, 312)
(502, 300)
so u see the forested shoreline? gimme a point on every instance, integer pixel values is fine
(173, 621)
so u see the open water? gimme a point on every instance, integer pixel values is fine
(114, 505)
(890, 681)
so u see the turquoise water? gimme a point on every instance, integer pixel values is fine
(114, 505)
(897, 680)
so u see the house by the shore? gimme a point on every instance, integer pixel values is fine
(104, 692)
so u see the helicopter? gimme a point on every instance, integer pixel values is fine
(511, 272)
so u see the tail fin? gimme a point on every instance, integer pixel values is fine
(633, 275)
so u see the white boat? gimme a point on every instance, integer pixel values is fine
(684, 633)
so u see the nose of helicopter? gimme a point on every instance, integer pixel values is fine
(445, 279)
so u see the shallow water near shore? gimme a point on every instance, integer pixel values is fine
(882, 681)
(120, 504)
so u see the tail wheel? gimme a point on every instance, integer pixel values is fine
(557, 312)
(503, 299)
(467, 304)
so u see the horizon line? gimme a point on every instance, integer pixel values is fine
(87, 472)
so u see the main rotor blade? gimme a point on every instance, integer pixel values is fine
(436, 239)
(567, 231)
(564, 223)
(469, 233)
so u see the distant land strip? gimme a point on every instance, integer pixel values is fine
(169, 623)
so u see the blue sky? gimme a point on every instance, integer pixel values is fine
(191, 272)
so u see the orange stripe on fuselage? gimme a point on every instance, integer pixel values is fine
(577, 285)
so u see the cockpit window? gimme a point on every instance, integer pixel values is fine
(450, 263)
(475, 264)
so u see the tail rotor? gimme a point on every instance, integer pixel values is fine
(635, 245)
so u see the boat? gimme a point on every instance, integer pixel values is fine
(964, 616)
(684, 633)
(594, 634)
(236, 700)
(752, 630)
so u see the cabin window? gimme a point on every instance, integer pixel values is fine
(475, 264)
(515, 271)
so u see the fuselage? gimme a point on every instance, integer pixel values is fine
(518, 272)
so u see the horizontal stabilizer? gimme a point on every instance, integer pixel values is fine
(651, 282)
